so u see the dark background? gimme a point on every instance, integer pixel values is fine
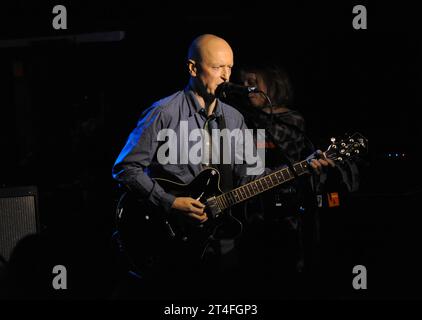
(67, 108)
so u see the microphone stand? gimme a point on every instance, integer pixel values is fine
(270, 104)
(289, 161)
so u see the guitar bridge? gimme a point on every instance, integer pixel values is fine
(213, 207)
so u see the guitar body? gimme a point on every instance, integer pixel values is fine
(160, 242)
(155, 241)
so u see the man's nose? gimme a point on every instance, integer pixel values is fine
(225, 74)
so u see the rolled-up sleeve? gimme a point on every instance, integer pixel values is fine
(137, 155)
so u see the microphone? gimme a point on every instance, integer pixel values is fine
(227, 88)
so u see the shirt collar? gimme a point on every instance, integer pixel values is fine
(195, 106)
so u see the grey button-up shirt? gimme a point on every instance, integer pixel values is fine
(138, 163)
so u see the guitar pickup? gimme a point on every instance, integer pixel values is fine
(213, 207)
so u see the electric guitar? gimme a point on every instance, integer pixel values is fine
(155, 241)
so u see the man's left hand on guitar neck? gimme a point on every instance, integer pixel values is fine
(319, 161)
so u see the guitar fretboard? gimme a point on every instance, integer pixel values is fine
(260, 185)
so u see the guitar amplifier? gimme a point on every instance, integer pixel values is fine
(18, 216)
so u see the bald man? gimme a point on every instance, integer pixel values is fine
(210, 61)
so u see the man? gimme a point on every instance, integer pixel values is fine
(210, 63)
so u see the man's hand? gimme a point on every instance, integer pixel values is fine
(320, 161)
(190, 207)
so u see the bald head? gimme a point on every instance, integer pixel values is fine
(210, 61)
(205, 45)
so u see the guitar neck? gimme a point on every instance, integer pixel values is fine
(258, 186)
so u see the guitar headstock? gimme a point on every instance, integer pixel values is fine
(348, 147)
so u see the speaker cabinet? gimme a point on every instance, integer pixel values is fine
(18, 216)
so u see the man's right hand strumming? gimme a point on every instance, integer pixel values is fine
(191, 208)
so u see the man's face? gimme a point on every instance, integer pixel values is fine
(252, 79)
(214, 67)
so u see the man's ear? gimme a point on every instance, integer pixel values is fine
(192, 67)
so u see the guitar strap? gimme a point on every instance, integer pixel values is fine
(226, 171)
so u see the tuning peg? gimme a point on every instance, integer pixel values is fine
(356, 151)
(348, 154)
(333, 140)
(340, 159)
(351, 140)
(343, 144)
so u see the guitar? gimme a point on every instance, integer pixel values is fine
(155, 241)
